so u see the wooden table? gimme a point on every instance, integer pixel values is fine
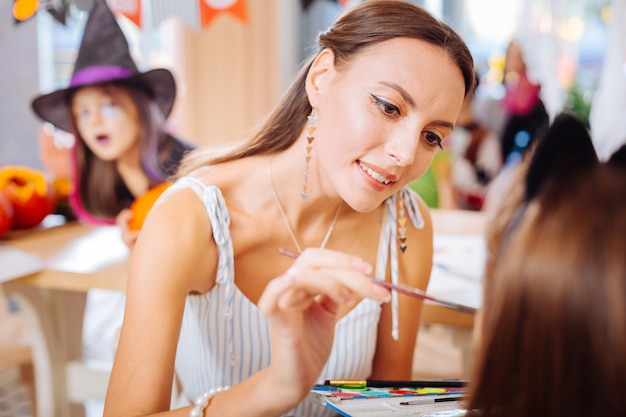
(72, 259)
(75, 258)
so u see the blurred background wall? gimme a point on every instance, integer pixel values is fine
(232, 72)
(18, 83)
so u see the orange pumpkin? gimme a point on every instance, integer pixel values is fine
(62, 187)
(142, 205)
(6, 215)
(30, 194)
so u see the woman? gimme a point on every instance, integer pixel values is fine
(553, 326)
(208, 295)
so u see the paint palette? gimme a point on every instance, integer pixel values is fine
(392, 401)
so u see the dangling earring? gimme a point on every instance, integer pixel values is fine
(401, 224)
(312, 120)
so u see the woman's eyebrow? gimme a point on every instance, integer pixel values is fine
(405, 95)
(443, 123)
(409, 100)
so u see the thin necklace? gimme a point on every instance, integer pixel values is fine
(286, 220)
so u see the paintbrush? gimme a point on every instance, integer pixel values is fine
(405, 289)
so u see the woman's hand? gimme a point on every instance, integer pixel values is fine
(301, 307)
(128, 236)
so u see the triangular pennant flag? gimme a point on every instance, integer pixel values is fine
(131, 9)
(307, 3)
(58, 15)
(58, 9)
(209, 9)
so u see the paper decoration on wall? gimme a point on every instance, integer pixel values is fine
(196, 14)
(131, 9)
(306, 3)
(212, 8)
(25, 9)
(58, 9)
(145, 14)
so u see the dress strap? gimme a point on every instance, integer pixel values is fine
(215, 205)
(388, 245)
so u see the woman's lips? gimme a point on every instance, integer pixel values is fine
(374, 178)
(374, 174)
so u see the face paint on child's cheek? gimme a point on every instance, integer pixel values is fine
(111, 111)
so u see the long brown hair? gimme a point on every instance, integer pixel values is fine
(363, 26)
(99, 190)
(553, 333)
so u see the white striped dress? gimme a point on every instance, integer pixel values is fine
(225, 339)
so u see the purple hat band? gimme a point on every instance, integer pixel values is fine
(98, 74)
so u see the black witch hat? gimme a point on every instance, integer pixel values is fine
(104, 57)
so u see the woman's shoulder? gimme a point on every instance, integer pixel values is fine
(184, 197)
(225, 176)
(206, 187)
(199, 180)
(178, 225)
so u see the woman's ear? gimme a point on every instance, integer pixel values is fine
(318, 75)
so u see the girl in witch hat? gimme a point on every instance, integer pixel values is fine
(117, 115)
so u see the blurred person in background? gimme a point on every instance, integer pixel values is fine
(475, 158)
(526, 117)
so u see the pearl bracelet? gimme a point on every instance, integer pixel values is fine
(202, 402)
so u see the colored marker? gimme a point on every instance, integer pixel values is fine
(426, 383)
(433, 400)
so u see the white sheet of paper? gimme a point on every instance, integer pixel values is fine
(15, 263)
(458, 264)
(390, 407)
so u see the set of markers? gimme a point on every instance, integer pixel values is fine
(440, 398)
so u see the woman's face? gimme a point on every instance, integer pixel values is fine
(381, 119)
(107, 120)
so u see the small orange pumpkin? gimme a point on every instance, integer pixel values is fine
(30, 194)
(62, 187)
(142, 205)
